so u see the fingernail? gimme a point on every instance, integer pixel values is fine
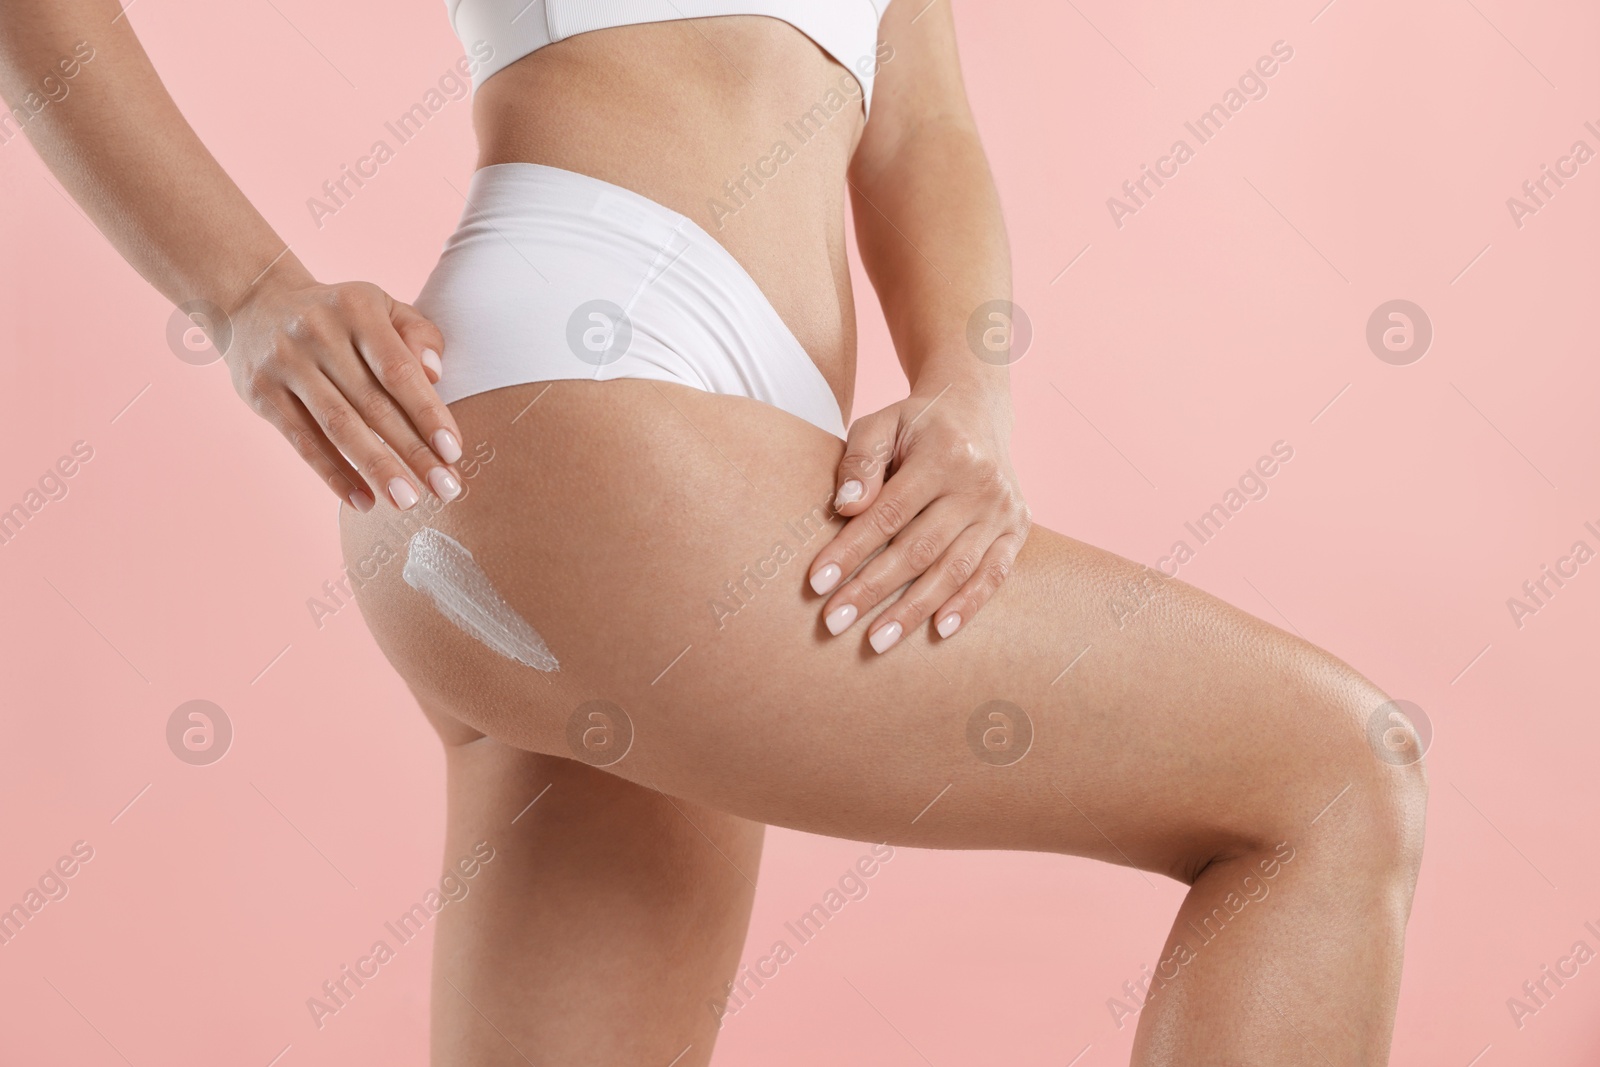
(825, 579)
(430, 359)
(445, 443)
(884, 637)
(402, 494)
(360, 501)
(840, 618)
(848, 493)
(948, 624)
(444, 484)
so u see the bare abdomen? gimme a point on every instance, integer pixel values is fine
(735, 121)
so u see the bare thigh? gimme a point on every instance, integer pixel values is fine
(604, 927)
(657, 537)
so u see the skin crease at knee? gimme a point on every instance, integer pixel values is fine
(440, 566)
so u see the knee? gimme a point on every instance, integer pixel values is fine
(1338, 775)
(1367, 802)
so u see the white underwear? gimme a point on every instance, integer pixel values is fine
(555, 275)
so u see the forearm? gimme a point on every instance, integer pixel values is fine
(118, 143)
(933, 242)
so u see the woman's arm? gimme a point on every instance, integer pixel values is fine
(326, 365)
(933, 242)
(927, 215)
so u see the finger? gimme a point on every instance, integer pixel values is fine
(395, 398)
(403, 376)
(351, 435)
(916, 548)
(935, 587)
(900, 501)
(290, 417)
(977, 590)
(379, 410)
(867, 451)
(420, 335)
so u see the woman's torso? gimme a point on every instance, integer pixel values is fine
(705, 117)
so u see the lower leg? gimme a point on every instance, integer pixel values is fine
(604, 928)
(1290, 954)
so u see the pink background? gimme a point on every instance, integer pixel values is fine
(1223, 316)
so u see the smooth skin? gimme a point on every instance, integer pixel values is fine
(1197, 742)
(605, 928)
(609, 908)
(667, 544)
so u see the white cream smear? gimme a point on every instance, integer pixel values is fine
(440, 566)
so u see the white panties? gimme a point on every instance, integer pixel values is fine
(555, 275)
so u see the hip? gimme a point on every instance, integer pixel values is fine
(738, 123)
(553, 275)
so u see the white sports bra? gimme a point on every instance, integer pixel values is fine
(845, 29)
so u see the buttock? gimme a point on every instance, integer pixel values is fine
(554, 275)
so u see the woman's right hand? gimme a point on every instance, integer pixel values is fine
(346, 373)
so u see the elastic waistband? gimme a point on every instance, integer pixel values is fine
(540, 251)
(534, 190)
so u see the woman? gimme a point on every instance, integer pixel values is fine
(679, 569)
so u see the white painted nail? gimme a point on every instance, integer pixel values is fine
(840, 618)
(948, 624)
(361, 501)
(848, 493)
(825, 579)
(430, 359)
(446, 445)
(884, 637)
(444, 484)
(402, 494)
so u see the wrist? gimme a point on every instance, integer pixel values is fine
(985, 391)
(960, 371)
(285, 273)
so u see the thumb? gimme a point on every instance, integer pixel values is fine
(420, 335)
(867, 451)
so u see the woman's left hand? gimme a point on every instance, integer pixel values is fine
(929, 481)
